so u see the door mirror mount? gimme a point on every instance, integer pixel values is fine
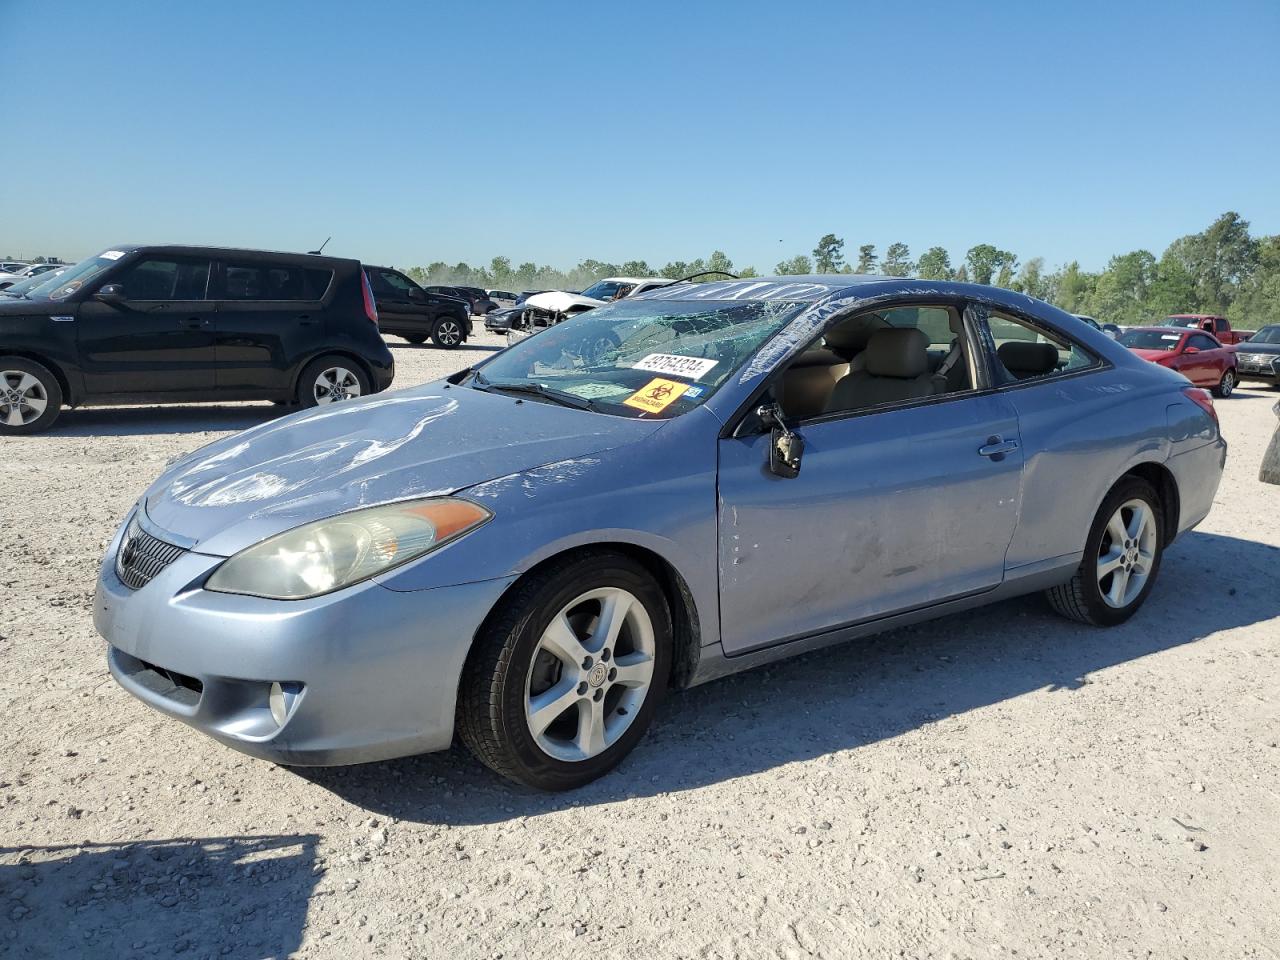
(112, 293)
(786, 447)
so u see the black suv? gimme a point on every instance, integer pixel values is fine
(406, 310)
(144, 324)
(476, 298)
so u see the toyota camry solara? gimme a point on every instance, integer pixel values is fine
(665, 490)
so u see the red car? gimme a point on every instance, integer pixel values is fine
(1196, 355)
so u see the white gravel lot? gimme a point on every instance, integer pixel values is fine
(1000, 783)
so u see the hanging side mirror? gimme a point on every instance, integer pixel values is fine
(786, 447)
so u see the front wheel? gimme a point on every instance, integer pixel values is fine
(447, 333)
(30, 396)
(1121, 558)
(564, 678)
(1226, 386)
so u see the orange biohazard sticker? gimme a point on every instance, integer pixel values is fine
(656, 395)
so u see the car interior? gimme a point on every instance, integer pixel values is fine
(910, 353)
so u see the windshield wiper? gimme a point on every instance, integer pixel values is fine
(562, 397)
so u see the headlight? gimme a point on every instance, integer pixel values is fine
(328, 555)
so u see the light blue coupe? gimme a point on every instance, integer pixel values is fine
(662, 491)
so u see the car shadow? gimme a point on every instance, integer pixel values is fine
(852, 695)
(177, 418)
(244, 896)
(462, 347)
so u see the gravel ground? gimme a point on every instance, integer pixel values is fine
(998, 783)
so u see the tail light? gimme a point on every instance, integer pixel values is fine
(370, 307)
(1202, 400)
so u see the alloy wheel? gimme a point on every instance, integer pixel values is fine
(1228, 384)
(590, 674)
(336, 383)
(23, 398)
(1127, 553)
(449, 333)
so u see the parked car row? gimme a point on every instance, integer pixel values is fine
(148, 324)
(12, 272)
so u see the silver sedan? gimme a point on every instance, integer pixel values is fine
(687, 483)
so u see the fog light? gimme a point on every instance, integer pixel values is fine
(281, 699)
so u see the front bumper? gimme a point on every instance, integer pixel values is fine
(366, 673)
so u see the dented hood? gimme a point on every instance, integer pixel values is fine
(428, 441)
(558, 301)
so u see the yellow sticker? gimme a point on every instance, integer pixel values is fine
(656, 395)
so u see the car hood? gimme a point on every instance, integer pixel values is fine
(428, 441)
(1250, 346)
(561, 302)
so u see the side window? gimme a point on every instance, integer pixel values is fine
(167, 280)
(245, 282)
(878, 359)
(1220, 325)
(396, 282)
(1025, 351)
(316, 283)
(1201, 342)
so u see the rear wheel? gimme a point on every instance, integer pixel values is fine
(30, 396)
(447, 332)
(564, 678)
(1121, 558)
(331, 379)
(1226, 386)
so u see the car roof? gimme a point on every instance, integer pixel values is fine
(807, 288)
(193, 250)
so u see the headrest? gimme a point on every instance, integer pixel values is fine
(852, 336)
(1024, 359)
(898, 352)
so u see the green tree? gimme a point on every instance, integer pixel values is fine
(719, 260)
(1073, 287)
(897, 261)
(934, 264)
(866, 258)
(984, 260)
(636, 268)
(1032, 280)
(828, 255)
(796, 266)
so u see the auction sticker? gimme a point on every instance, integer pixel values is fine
(675, 365)
(656, 395)
(112, 255)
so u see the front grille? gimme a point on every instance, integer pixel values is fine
(1257, 359)
(142, 556)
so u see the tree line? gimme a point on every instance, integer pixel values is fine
(1222, 270)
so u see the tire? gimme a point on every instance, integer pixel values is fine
(1083, 597)
(512, 670)
(416, 338)
(330, 379)
(30, 396)
(448, 333)
(1226, 386)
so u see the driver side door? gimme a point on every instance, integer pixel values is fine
(897, 505)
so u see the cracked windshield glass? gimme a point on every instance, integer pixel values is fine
(639, 358)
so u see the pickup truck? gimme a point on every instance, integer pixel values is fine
(1220, 327)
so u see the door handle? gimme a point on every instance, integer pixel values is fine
(996, 448)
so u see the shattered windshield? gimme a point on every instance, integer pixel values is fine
(637, 358)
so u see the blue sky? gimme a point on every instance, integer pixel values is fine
(552, 132)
